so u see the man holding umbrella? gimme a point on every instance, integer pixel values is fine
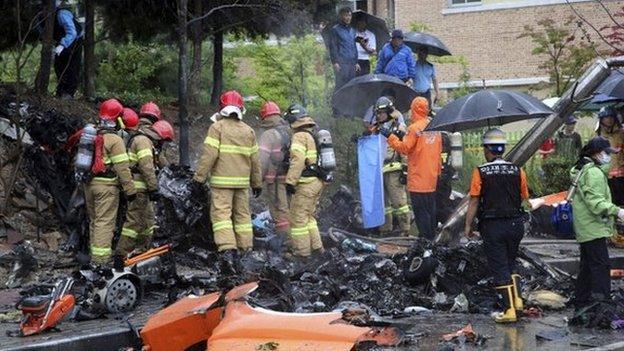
(497, 190)
(396, 59)
(425, 76)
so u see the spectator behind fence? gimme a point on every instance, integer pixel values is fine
(396, 59)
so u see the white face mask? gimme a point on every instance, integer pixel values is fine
(604, 158)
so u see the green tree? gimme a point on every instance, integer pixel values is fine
(565, 57)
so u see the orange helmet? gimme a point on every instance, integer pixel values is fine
(110, 110)
(269, 109)
(163, 129)
(130, 118)
(150, 109)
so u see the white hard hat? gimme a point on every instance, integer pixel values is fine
(494, 136)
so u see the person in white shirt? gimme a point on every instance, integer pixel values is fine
(366, 46)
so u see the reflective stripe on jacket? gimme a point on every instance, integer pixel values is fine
(302, 153)
(116, 159)
(230, 156)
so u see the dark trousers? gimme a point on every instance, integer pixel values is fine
(617, 190)
(444, 206)
(426, 95)
(344, 75)
(501, 239)
(424, 208)
(594, 279)
(364, 67)
(67, 69)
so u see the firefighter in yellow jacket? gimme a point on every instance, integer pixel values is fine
(144, 147)
(395, 195)
(230, 160)
(110, 170)
(303, 183)
(273, 143)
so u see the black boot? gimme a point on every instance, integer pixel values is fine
(228, 259)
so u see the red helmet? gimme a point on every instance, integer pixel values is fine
(110, 110)
(130, 118)
(150, 109)
(231, 98)
(163, 129)
(269, 109)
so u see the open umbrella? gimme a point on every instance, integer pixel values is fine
(488, 108)
(356, 96)
(416, 40)
(375, 24)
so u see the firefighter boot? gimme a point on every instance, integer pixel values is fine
(228, 260)
(509, 312)
(517, 292)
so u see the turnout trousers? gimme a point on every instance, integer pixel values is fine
(305, 235)
(277, 199)
(139, 226)
(501, 240)
(231, 218)
(395, 199)
(102, 202)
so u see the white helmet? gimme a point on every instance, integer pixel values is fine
(494, 136)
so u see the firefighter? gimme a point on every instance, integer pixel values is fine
(110, 170)
(395, 196)
(230, 160)
(273, 144)
(144, 147)
(149, 114)
(497, 190)
(303, 183)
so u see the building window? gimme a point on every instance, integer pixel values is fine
(464, 2)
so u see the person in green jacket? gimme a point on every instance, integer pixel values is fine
(594, 220)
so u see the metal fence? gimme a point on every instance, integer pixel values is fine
(472, 140)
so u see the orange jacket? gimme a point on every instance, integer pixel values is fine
(423, 150)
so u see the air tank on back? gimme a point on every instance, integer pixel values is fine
(84, 152)
(327, 157)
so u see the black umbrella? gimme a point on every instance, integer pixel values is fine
(356, 96)
(416, 40)
(487, 108)
(375, 24)
(612, 87)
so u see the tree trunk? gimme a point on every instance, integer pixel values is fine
(183, 83)
(217, 67)
(89, 50)
(196, 67)
(43, 75)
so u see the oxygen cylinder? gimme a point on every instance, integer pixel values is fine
(457, 151)
(327, 158)
(84, 154)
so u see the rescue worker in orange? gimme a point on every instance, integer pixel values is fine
(303, 183)
(144, 147)
(497, 190)
(394, 180)
(424, 165)
(231, 164)
(274, 143)
(110, 170)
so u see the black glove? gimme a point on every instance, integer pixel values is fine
(385, 131)
(256, 192)
(196, 187)
(154, 195)
(400, 134)
(355, 138)
(290, 189)
(130, 197)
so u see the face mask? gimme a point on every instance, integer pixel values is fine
(604, 158)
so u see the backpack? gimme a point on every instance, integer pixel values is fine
(562, 217)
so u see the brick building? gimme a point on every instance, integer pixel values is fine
(486, 33)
